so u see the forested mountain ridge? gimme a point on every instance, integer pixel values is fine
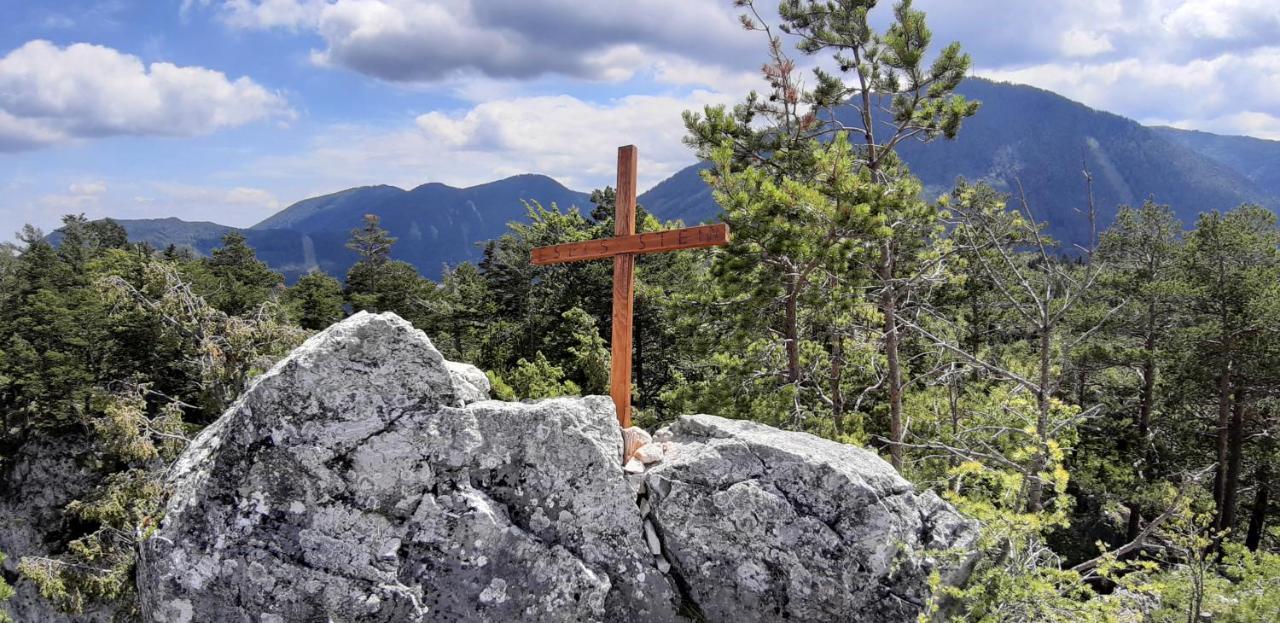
(1255, 158)
(1045, 140)
(436, 224)
(1021, 134)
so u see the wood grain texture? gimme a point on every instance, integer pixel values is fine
(624, 266)
(624, 216)
(620, 345)
(698, 237)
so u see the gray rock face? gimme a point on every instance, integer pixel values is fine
(351, 482)
(364, 478)
(761, 524)
(45, 476)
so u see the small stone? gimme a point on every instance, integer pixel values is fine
(651, 535)
(636, 482)
(663, 565)
(633, 466)
(649, 454)
(632, 438)
(663, 435)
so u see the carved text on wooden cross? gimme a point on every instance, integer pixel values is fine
(623, 248)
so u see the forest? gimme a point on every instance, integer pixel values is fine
(1106, 410)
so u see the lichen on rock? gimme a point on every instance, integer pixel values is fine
(365, 478)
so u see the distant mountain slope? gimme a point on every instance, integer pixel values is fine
(162, 232)
(1044, 140)
(682, 196)
(435, 224)
(1255, 158)
(1021, 134)
(352, 198)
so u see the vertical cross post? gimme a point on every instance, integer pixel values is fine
(623, 247)
(624, 264)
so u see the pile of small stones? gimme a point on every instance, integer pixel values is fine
(642, 451)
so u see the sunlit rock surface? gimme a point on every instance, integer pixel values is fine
(365, 478)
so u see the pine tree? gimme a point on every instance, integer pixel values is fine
(240, 281)
(316, 301)
(371, 243)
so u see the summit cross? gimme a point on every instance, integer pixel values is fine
(623, 248)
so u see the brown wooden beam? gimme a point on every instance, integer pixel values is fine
(653, 242)
(624, 265)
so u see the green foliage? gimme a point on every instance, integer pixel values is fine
(371, 242)
(538, 379)
(238, 281)
(115, 345)
(315, 302)
(6, 593)
(590, 354)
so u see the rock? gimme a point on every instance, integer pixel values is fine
(648, 454)
(471, 384)
(365, 478)
(633, 438)
(353, 481)
(40, 479)
(762, 524)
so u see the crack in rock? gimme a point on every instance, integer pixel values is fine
(366, 478)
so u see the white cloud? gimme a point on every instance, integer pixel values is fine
(1223, 19)
(571, 140)
(51, 94)
(1081, 43)
(214, 202)
(438, 40)
(88, 189)
(80, 197)
(1205, 93)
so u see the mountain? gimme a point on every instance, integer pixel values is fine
(162, 232)
(435, 224)
(1257, 159)
(1021, 134)
(1044, 140)
(682, 196)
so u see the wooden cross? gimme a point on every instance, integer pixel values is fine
(623, 248)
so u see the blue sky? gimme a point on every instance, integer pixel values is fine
(228, 110)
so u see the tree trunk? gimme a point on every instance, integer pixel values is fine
(1224, 424)
(1142, 426)
(1235, 454)
(1135, 523)
(1035, 488)
(889, 308)
(1258, 516)
(837, 392)
(791, 332)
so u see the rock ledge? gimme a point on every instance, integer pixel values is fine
(365, 478)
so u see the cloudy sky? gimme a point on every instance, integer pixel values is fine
(228, 110)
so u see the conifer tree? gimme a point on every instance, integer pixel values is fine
(241, 281)
(316, 301)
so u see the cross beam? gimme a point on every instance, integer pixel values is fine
(623, 248)
(638, 244)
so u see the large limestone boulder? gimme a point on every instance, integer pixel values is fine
(352, 483)
(365, 478)
(38, 482)
(760, 524)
